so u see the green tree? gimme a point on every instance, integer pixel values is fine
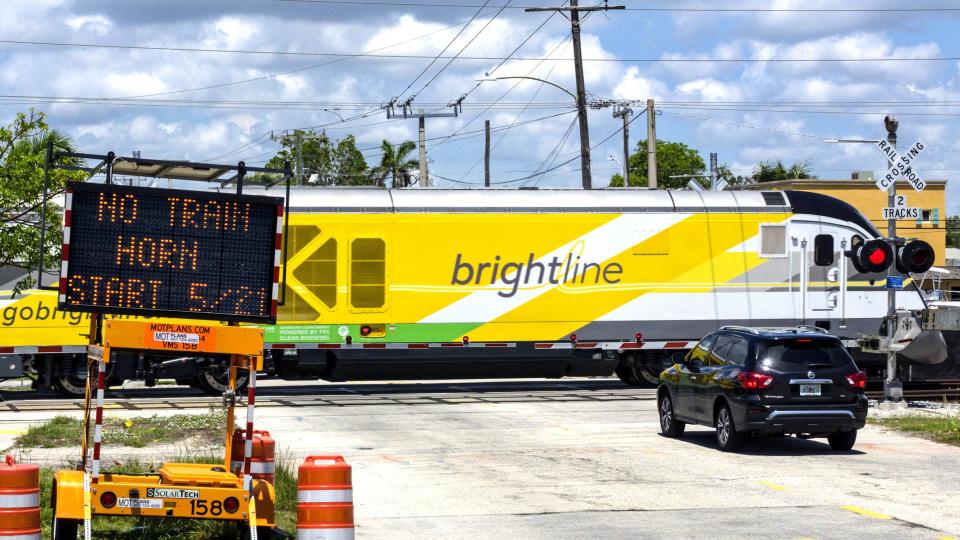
(23, 145)
(772, 171)
(673, 158)
(953, 231)
(335, 163)
(395, 164)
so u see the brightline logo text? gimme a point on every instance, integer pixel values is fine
(557, 270)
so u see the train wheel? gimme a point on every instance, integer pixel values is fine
(69, 385)
(215, 379)
(640, 373)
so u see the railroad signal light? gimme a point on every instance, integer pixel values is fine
(872, 256)
(916, 257)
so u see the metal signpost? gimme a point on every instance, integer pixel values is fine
(899, 167)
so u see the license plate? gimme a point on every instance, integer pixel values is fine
(809, 389)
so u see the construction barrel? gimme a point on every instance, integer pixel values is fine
(19, 500)
(262, 464)
(325, 499)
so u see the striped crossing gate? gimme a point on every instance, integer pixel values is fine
(325, 499)
(19, 500)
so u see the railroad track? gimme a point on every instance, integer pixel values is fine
(924, 391)
(345, 395)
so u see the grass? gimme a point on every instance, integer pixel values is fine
(116, 528)
(945, 429)
(137, 432)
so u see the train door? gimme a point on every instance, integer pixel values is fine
(823, 277)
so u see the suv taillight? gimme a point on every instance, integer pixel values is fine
(754, 381)
(857, 380)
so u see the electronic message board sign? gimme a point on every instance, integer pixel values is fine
(177, 253)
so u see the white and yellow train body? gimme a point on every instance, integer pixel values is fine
(371, 273)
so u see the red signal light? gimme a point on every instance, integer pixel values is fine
(872, 256)
(365, 330)
(754, 381)
(915, 257)
(877, 257)
(573, 338)
(466, 340)
(231, 504)
(857, 380)
(638, 336)
(108, 499)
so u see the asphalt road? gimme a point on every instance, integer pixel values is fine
(584, 459)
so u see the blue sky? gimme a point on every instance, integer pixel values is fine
(769, 121)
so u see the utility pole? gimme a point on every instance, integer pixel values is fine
(406, 111)
(299, 141)
(424, 179)
(574, 15)
(622, 111)
(714, 172)
(486, 155)
(892, 387)
(651, 145)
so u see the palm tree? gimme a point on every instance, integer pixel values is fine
(395, 163)
(61, 143)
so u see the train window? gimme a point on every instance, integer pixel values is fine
(318, 273)
(368, 273)
(773, 240)
(823, 250)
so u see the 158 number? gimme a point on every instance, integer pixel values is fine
(199, 507)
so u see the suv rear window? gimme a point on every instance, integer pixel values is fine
(802, 354)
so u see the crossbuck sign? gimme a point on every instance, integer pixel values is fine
(901, 167)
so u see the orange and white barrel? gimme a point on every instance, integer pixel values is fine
(325, 499)
(262, 464)
(19, 501)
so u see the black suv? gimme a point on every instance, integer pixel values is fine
(765, 381)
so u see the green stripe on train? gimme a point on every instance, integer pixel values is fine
(335, 333)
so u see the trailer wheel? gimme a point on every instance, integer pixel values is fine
(215, 379)
(62, 528)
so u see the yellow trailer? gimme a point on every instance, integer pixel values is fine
(175, 490)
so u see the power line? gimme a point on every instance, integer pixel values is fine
(649, 9)
(437, 57)
(470, 42)
(341, 56)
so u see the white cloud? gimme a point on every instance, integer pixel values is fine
(98, 24)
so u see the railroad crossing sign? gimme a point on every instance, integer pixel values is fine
(900, 210)
(900, 166)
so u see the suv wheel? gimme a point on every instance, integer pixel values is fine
(727, 437)
(669, 425)
(843, 441)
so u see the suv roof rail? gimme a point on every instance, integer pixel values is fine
(811, 328)
(741, 328)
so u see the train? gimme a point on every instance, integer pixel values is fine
(394, 284)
